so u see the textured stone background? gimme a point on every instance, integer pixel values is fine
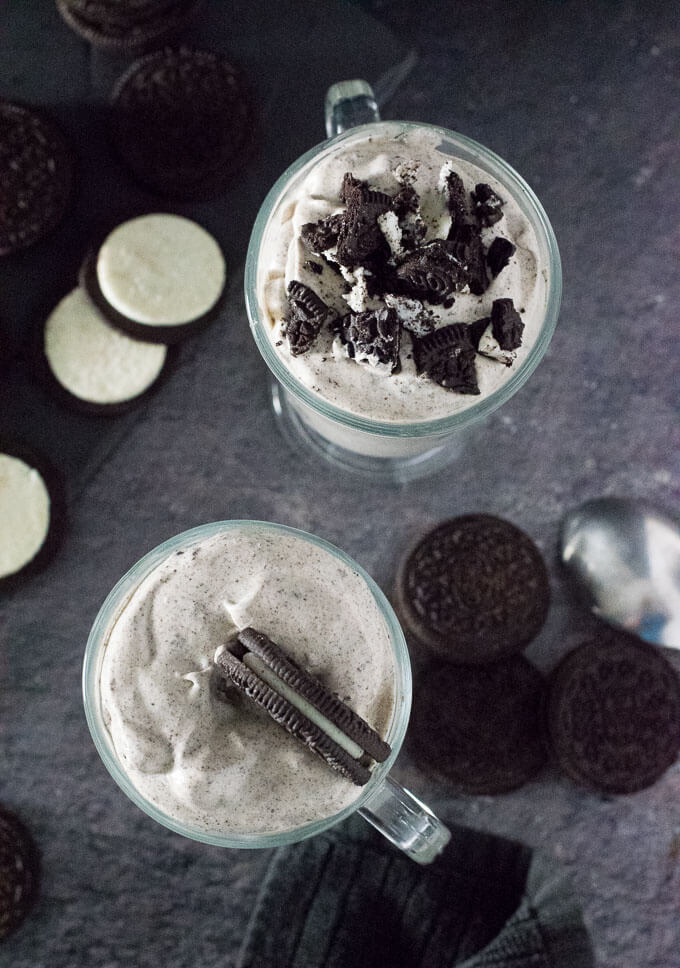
(582, 98)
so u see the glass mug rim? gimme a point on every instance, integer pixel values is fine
(522, 194)
(111, 609)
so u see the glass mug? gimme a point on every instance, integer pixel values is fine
(386, 450)
(393, 810)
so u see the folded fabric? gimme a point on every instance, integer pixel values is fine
(348, 899)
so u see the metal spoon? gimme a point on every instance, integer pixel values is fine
(624, 558)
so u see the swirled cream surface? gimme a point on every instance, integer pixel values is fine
(387, 163)
(223, 766)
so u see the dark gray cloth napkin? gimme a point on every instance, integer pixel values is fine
(348, 899)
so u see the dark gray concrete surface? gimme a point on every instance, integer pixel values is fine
(582, 98)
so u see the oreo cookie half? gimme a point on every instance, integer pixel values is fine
(32, 512)
(19, 872)
(36, 166)
(158, 277)
(128, 26)
(182, 121)
(479, 727)
(474, 589)
(301, 704)
(613, 714)
(92, 365)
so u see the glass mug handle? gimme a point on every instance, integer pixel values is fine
(348, 104)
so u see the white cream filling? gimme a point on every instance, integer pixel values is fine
(93, 360)
(24, 514)
(161, 269)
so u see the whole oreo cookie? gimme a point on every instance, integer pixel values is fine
(181, 120)
(131, 25)
(19, 872)
(479, 727)
(613, 714)
(36, 166)
(475, 589)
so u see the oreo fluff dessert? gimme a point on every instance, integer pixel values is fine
(400, 284)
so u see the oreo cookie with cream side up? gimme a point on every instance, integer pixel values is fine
(32, 512)
(299, 702)
(158, 277)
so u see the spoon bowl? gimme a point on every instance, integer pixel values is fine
(623, 556)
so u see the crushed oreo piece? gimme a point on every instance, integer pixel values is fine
(320, 236)
(431, 272)
(305, 316)
(456, 202)
(360, 238)
(447, 356)
(506, 323)
(406, 201)
(413, 315)
(500, 252)
(373, 336)
(314, 267)
(487, 205)
(477, 329)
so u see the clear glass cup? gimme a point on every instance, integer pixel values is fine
(397, 451)
(393, 810)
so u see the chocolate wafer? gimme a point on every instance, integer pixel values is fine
(474, 589)
(300, 703)
(182, 121)
(479, 727)
(613, 714)
(19, 872)
(37, 167)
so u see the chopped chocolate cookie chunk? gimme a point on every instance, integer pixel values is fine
(499, 254)
(447, 356)
(613, 714)
(506, 324)
(305, 316)
(456, 202)
(475, 589)
(488, 207)
(302, 705)
(314, 267)
(431, 272)
(373, 337)
(412, 314)
(360, 239)
(19, 872)
(320, 236)
(182, 121)
(479, 727)
(36, 163)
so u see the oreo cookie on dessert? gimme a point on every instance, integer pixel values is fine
(36, 170)
(613, 714)
(92, 365)
(125, 26)
(19, 872)
(475, 589)
(479, 727)
(181, 121)
(32, 512)
(298, 701)
(158, 277)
